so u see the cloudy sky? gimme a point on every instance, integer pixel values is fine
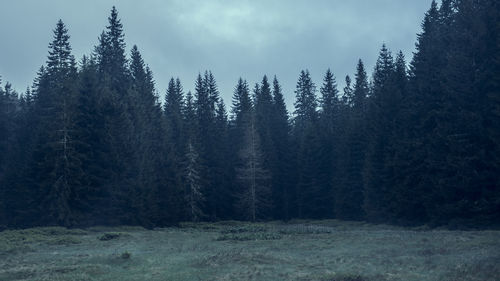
(247, 38)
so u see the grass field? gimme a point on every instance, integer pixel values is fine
(300, 250)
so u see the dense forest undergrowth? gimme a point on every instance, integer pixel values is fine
(416, 143)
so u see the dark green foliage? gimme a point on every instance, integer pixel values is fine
(253, 195)
(118, 116)
(307, 144)
(194, 190)
(173, 107)
(176, 140)
(330, 131)
(305, 102)
(240, 112)
(91, 144)
(349, 194)
(381, 110)
(10, 154)
(56, 170)
(9, 106)
(205, 117)
(111, 54)
(223, 169)
(281, 165)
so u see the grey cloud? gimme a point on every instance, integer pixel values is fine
(232, 38)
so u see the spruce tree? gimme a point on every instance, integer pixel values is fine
(57, 172)
(349, 195)
(253, 198)
(8, 109)
(263, 107)
(207, 96)
(330, 132)
(119, 110)
(194, 192)
(111, 54)
(173, 107)
(90, 144)
(424, 104)
(281, 166)
(223, 169)
(347, 95)
(10, 152)
(189, 118)
(240, 112)
(242, 102)
(381, 115)
(466, 192)
(307, 144)
(305, 101)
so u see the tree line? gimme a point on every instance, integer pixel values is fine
(90, 142)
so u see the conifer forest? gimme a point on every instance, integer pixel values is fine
(414, 141)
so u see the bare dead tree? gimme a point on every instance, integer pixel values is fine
(254, 197)
(194, 195)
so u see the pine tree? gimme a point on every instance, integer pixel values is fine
(4, 122)
(204, 112)
(212, 90)
(490, 108)
(307, 142)
(111, 54)
(189, 118)
(263, 107)
(281, 165)
(9, 155)
(150, 151)
(330, 131)
(223, 169)
(396, 159)
(173, 107)
(263, 111)
(349, 195)
(424, 103)
(242, 102)
(207, 96)
(240, 112)
(8, 109)
(21, 192)
(120, 114)
(329, 98)
(305, 102)
(381, 113)
(194, 194)
(89, 143)
(58, 171)
(466, 191)
(253, 201)
(347, 96)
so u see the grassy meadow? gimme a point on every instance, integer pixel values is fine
(298, 250)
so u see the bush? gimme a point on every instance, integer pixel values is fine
(110, 236)
(125, 255)
(249, 236)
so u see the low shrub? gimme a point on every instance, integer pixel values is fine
(249, 236)
(126, 255)
(109, 236)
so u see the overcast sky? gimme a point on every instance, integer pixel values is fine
(247, 38)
